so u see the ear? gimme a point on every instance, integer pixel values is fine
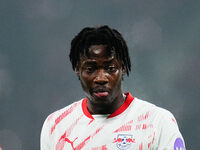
(77, 71)
(123, 70)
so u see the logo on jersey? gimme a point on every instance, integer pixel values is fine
(178, 144)
(123, 141)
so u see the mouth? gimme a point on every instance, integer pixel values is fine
(101, 92)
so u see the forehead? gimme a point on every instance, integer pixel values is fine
(100, 53)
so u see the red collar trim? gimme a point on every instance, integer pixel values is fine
(85, 110)
(121, 109)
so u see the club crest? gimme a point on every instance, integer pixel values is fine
(124, 141)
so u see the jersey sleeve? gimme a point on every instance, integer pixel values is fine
(170, 137)
(45, 136)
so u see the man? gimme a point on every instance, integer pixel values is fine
(107, 119)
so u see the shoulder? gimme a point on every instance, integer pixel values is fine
(52, 121)
(163, 122)
(142, 105)
(162, 115)
(147, 105)
(59, 114)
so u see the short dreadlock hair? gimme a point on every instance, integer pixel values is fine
(99, 35)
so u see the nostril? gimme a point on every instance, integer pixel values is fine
(100, 81)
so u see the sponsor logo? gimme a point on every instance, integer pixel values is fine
(178, 144)
(123, 141)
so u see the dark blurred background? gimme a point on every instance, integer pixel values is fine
(36, 77)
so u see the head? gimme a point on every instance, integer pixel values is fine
(100, 58)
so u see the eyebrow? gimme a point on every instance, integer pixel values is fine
(92, 62)
(109, 61)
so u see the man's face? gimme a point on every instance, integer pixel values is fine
(100, 74)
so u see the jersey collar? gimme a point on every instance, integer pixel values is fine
(121, 109)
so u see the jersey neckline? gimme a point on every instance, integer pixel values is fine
(121, 109)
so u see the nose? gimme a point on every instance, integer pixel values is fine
(101, 77)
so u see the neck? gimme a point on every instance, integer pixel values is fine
(95, 108)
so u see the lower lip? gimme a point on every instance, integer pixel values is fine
(101, 94)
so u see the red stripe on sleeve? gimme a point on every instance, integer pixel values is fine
(63, 115)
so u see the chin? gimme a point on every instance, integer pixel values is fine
(101, 100)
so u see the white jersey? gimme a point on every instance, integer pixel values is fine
(136, 125)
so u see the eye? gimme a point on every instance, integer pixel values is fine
(111, 68)
(90, 69)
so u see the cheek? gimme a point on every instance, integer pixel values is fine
(84, 85)
(118, 75)
(85, 79)
(116, 78)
